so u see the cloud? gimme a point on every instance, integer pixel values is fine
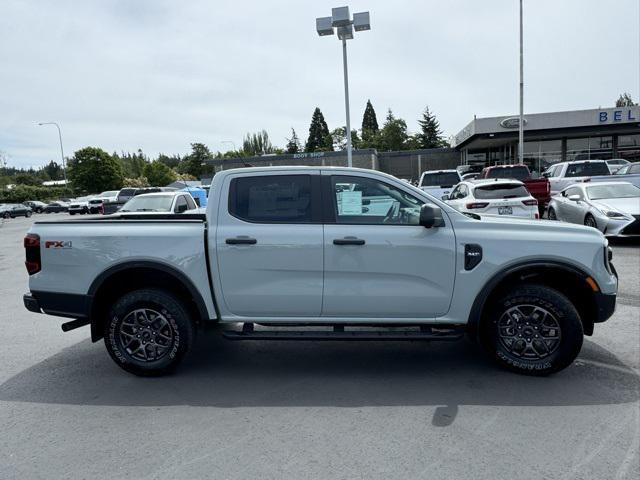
(158, 75)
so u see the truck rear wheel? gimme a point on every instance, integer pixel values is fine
(148, 332)
(534, 330)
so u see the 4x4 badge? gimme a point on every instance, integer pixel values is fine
(57, 244)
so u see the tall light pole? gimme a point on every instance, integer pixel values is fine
(341, 20)
(64, 168)
(521, 119)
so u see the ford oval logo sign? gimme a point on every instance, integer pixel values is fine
(512, 122)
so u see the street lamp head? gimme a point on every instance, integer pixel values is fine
(323, 26)
(345, 32)
(361, 21)
(340, 17)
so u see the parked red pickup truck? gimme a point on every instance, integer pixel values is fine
(539, 188)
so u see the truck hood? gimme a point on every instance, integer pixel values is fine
(540, 226)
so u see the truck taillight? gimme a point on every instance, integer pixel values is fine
(473, 205)
(32, 253)
(530, 202)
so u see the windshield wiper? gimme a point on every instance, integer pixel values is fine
(472, 215)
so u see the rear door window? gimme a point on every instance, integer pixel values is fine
(272, 199)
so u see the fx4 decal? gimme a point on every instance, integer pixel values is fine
(57, 244)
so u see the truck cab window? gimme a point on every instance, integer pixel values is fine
(362, 200)
(271, 199)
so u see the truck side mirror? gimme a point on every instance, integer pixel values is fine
(431, 216)
(181, 208)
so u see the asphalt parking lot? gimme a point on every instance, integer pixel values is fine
(313, 410)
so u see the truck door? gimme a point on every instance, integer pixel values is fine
(269, 245)
(378, 262)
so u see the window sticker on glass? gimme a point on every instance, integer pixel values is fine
(349, 203)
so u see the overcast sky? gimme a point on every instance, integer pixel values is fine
(158, 75)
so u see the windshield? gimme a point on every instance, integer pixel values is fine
(109, 193)
(587, 169)
(155, 203)
(622, 190)
(440, 179)
(504, 190)
(519, 173)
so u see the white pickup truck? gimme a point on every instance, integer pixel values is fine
(304, 253)
(563, 174)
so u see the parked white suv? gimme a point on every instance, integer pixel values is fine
(509, 198)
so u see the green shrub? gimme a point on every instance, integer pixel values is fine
(22, 193)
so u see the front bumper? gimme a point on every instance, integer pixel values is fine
(606, 305)
(624, 227)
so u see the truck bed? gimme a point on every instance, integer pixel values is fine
(76, 252)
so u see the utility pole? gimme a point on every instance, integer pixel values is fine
(521, 119)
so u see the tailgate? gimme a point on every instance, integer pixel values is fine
(538, 188)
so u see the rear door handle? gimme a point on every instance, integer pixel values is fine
(348, 241)
(241, 241)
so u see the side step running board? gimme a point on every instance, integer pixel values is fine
(339, 334)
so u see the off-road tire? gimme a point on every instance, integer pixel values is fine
(178, 325)
(561, 315)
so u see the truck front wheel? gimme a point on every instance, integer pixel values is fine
(534, 330)
(148, 332)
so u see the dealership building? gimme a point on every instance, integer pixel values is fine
(552, 137)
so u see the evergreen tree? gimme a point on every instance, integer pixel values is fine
(192, 163)
(430, 135)
(625, 100)
(369, 119)
(393, 135)
(319, 137)
(53, 170)
(257, 144)
(171, 161)
(293, 143)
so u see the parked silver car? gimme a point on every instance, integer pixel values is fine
(611, 207)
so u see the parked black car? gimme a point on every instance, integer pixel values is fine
(13, 210)
(36, 205)
(55, 207)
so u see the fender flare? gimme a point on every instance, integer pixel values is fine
(154, 265)
(475, 315)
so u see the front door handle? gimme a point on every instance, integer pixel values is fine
(348, 241)
(241, 241)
